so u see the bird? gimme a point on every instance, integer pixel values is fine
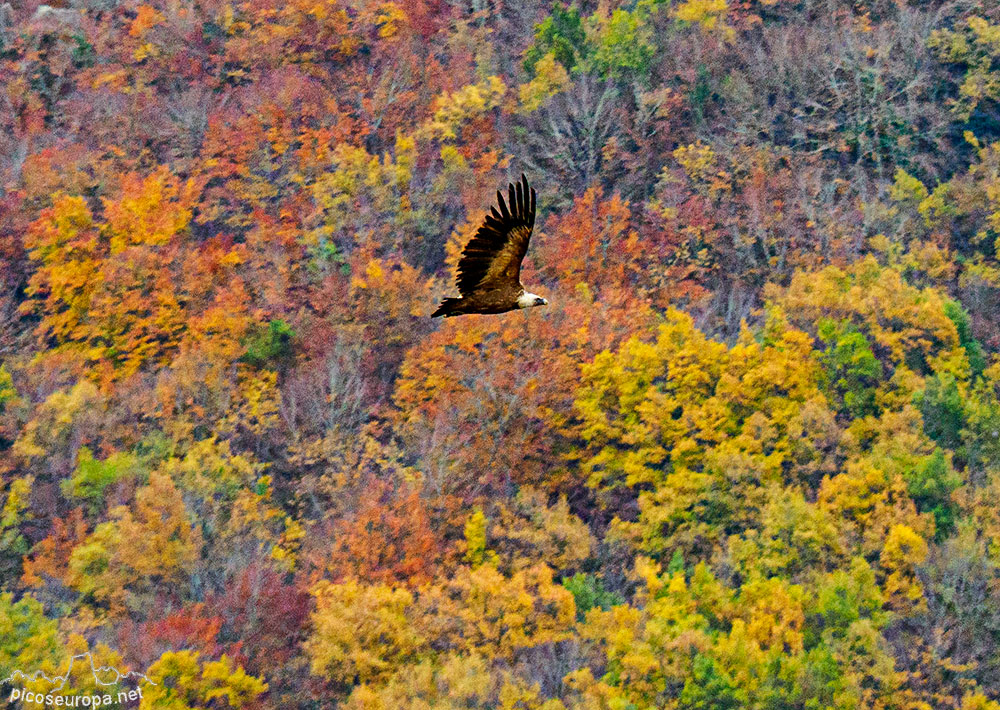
(489, 271)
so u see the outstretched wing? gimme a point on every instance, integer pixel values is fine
(492, 258)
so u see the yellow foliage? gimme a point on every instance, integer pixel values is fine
(58, 420)
(550, 78)
(456, 682)
(15, 503)
(974, 43)
(870, 495)
(210, 467)
(698, 161)
(978, 701)
(389, 294)
(651, 645)
(630, 397)
(150, 211)
(286, 548)
(907, 187)
(868, 501)
(708, 14)
(476, 552)
(356, 175)
(773, 613)
(904, 549)
(361, 633)
(390, 16)
(232, 498)
(452, 110)
(64, 242)
(151, 540)
(796, 536)
(529, 532)
(907, 321)
(105, 291)
(697, 428)
(256, 408)
(459, 681)
(482, 610)
(185, 682)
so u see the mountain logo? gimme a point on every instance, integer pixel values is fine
(112, 674)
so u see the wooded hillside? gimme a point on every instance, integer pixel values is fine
(747, 457)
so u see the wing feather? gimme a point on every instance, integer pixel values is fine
(493, 257)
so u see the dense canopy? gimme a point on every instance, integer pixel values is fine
(747, 457)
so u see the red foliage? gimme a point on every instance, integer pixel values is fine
(263, 618)
(388, 539)
(191, 627)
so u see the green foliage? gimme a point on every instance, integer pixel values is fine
(700, 93)
(561, 33)
(931, 484)
(327, 257)
(83, 54)
(589, 593)
(981, 437)
(8, 393)
(92, 476)
(843, 598)
(676, 563)
(271, 345)
(623, 43)
(973, 348)
(853, 370)
(710, 687)
(943, 408)
(29, 641)
(615, 45)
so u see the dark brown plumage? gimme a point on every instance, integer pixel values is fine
(489, 272)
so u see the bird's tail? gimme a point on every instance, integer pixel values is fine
(448, 307)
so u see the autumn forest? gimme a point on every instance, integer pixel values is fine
(747, 457)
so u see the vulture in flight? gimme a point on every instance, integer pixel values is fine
(489, 272)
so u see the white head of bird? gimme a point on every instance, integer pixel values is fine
(529, 300)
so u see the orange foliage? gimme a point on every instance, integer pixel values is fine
(499, 423)
(388, 539)
(51, 556)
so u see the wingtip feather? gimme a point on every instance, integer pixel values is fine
(503, 206)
